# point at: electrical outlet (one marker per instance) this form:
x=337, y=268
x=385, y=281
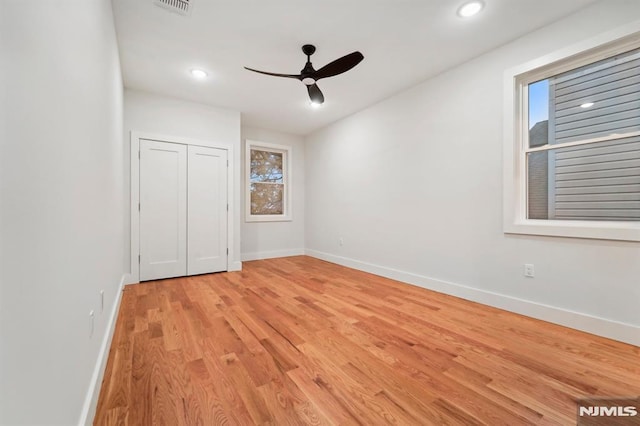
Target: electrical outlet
x=528, y=270
x=101, y=301
x=91, y=317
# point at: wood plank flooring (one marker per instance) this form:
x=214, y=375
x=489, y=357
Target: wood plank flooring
x=299, y=341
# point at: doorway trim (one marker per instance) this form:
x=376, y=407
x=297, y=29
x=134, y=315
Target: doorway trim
x=135, y=138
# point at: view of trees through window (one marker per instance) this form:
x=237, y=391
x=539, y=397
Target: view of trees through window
x=266, y=176
x=583, y=153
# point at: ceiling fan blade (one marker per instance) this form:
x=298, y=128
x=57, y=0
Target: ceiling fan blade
x=296, y=76
x=338, y=66
x=315, y=94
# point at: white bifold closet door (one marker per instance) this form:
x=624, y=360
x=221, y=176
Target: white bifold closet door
x=183, y=210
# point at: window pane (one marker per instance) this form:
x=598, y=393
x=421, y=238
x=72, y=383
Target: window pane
x=538, y=185
x=538, y=113
x=598, y=181
x=266, y=166
x=598, y=100
x=267, y=199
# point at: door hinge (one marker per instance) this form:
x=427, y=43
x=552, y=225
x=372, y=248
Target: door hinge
x=138, y=259
x=138, y=154
x=227, y=163
x=227, y=207
x=227, y=251
x=138, y=206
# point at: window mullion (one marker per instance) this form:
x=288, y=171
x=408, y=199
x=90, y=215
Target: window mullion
x=268, y=183
x=583, y=142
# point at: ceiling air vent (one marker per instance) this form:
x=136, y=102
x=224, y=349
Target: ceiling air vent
x=183, y=7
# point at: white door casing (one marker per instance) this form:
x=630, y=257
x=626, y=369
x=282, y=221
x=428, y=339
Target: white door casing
x=163, y=210
x=207, y=210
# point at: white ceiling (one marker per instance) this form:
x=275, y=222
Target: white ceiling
x=403, y=42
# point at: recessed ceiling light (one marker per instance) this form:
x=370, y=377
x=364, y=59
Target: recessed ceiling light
x=470, y=8
x=315, y=105
x=199, y=74
x=587, y=105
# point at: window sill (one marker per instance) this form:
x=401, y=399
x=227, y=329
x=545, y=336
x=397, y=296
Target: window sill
x=622, y=231
x=266, y=218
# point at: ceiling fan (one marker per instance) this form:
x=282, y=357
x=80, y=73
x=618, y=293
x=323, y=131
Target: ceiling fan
x=309, y=76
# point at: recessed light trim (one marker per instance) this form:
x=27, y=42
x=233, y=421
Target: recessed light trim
x=587, y=105
x=470, y=8
x=199, y=74
x=315, y=105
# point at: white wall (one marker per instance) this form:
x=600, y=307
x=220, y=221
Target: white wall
x=61, y=196
x=261, y=240
x=3, y=139
x=414, y=186
x=161, y=115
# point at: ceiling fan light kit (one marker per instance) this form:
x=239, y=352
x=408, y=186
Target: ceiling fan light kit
x=309, y=76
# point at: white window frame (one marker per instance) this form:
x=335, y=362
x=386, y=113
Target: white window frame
x=515, y=138
x=287, y=155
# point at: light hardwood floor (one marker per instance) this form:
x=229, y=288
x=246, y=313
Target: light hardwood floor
x=296, y=341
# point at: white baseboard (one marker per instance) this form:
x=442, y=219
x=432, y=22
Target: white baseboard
x=129, y=279
x=615, y=330
x=235, y=266
x=271, y=254
x=91, y=400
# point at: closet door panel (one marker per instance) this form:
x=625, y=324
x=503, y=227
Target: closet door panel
x=207, y=210
x=163, y=210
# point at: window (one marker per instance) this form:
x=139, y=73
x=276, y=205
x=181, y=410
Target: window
x=268, y=180
x=572, y=147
